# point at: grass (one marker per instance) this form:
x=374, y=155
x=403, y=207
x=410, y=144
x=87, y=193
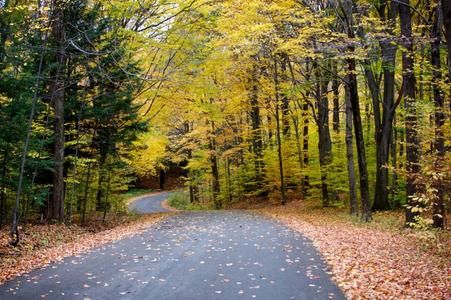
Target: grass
x=180, y=200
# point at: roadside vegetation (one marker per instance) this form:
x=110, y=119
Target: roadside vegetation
x=180, y=200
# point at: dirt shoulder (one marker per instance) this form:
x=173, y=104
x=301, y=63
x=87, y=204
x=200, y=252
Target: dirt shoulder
x=165, y=205
x=373, y=261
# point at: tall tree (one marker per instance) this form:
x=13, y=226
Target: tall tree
x=350, y=155
x=57, y=85
x=256, y=127
x=384, y=124
x=411, y=120
x=324, y=141
x=438, y=205
x=278, y=134
x=446, y=8
x=351, y=81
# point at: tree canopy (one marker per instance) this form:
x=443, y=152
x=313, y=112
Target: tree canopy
x=342, y=101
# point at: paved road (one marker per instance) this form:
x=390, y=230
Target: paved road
x=207, y=255
x=150, y=203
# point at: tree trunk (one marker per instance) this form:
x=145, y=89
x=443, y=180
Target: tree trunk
x=270, y=125
x=350, y=156
x=438, y=206
x=279, y=139
x=214, y=169
x=298, y=144
x=162, y=179
x=192, y=191
x=3, y=187
x=14, y=233
x=229, y=186
x=393, y=146
x=56, y=207
x=107, y=195
x=285, y=103
x=325, y=142
x=385, y=127
x=257, y=135
x=409, y=85
x=360, y=142
x=305, y=137
x=85, y=197
x=100, y=181
x=4, y=33
x=336, y=102
x=75, y=185
x=446, y=9
x=351, y=80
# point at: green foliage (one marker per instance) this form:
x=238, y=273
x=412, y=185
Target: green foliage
x=180, y=200
x=131, y=193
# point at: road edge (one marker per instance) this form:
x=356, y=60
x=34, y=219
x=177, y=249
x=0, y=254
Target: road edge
x=165, y=205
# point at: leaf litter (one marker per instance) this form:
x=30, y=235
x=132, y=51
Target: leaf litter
x=370, y=261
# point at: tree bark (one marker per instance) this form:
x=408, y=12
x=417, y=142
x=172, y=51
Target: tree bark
x=214, y=169
x=229, y=184
x=336, y=102
x=305, y=146
x=100, y=181
x=351, y=81
x=384, y=127
x=85, y=197
x=446, y=9
x=350, y=156
x=324, y=142
x=305, y=181
x=4, y=33
x=3, y=186
x=279, y=139
x=297, y=135
x=360, y=142
x=107, y=195
x=383, y=121
x=409, y=85
x=257, y=135
x=56, y=205
x=14, y=233
x=393, y=146
x=192, y=188
x=438, y=206
x=285, y=103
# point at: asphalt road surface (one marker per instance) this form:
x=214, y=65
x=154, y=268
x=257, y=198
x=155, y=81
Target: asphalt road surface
x=150, y=203
x=205, y=255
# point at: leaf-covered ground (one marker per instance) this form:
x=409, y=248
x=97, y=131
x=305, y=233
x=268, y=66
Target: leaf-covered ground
x=376, y=261
x=43, y=244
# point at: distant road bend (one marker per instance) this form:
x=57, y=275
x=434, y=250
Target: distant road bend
x=151, y=203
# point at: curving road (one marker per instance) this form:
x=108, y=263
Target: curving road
x=149, y=203
x=202, y=255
